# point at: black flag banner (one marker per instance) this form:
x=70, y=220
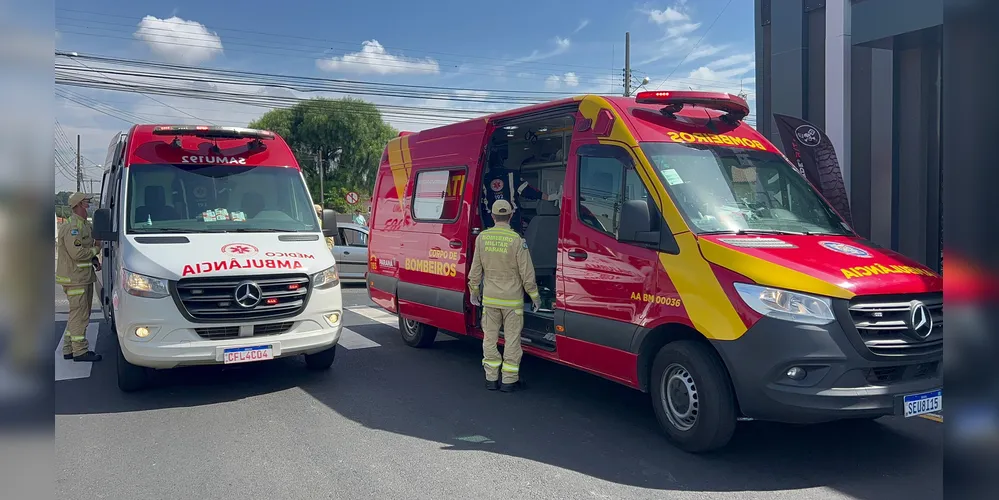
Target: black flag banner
x=812, y=154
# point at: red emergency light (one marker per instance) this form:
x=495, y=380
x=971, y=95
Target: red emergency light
x=734, y=107
x=213, y=132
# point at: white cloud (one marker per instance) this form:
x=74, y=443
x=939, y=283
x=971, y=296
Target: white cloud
x=673, y=14
x=682, y=29
x=373, y=58
x=562, y=43
x=733, y=60
x=729, y=78
x=555, y=82
x=582, y=24
x=178, y=40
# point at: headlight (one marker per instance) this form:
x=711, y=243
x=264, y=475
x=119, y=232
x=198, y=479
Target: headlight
x=144, y=286
x=789, y=306
x=326, y=278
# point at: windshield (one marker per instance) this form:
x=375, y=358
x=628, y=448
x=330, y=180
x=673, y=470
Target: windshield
x=217, y=198
x=724, y=189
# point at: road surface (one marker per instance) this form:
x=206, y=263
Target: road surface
x=393, y=422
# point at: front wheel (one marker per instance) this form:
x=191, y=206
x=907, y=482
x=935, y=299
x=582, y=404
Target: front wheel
x=693, y=397
x=321, y=360
x=416, y=334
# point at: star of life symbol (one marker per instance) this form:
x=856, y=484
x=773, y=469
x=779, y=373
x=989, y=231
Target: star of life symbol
x=239, y=250
x=496, y=185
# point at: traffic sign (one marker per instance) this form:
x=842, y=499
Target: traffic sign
x=352, y=197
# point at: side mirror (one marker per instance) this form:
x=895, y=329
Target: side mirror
x=636, y=224
x=329, y=224
x=102, y=225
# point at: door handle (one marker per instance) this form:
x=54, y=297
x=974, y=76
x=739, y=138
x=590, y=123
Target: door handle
x=577, y=255
x=455, y=243
x=346, y=252
x=476, y=231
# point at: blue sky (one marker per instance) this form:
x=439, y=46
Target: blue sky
x=568, y=47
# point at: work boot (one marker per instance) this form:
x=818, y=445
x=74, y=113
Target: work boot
x=67, y=356
x=88, y=356
x=516, y=386
x=492, y=385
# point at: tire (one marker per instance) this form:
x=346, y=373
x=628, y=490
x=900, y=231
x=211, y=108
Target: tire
x=131, y=378
x=705, y=397
x=321, y=360
x=416, y=334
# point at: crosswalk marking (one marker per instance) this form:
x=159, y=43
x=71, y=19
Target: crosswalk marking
x=67, y=369
x=388, y=319
x=349, y=339
x=378, y=315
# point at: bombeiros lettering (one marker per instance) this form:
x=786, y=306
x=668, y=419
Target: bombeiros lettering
x=231, y=264
x=225, y=160
x=722, y=139
x=439, y=268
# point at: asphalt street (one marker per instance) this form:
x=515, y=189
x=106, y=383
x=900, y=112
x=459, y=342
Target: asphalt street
x=394, y=422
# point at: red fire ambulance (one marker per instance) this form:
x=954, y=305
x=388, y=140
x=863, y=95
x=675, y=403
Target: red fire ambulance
x=685, y=257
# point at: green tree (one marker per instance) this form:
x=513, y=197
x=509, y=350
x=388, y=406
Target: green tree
x=345, y=136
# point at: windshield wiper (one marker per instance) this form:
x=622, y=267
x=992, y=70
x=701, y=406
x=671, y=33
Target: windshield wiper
x=261, y=230
x=742, y=232
x=172, y=230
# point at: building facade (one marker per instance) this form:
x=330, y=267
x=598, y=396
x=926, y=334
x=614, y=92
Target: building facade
x=868, y=72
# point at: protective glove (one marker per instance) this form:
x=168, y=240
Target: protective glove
x=474, y=299
x=535, y=306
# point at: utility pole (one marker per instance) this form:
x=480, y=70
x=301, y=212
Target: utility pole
x=627, y=64
x=79, y=166
x=322, y=189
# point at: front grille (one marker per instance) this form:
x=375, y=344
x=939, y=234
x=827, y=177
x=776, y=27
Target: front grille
x=895, y=374
x=213, y=300
x=883, y=325
x=231, y=332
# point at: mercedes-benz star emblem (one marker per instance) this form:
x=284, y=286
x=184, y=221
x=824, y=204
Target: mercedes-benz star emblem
x=248, y=294
x=920, y=321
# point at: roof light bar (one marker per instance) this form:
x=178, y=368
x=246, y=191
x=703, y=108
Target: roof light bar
x=213, y=132
x=735, y=106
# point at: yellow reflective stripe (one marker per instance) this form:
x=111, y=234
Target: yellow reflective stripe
x=77, y=338
x=493, y=364
x=95, y=251
x=82, y=264
x=535, y=295
x=507, y=367
x=74, y=292
x=489, y=301
x=62, y=279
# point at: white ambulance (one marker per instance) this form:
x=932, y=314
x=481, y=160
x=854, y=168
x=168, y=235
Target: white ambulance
x=212, y=252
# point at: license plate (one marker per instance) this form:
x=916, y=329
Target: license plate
x=247, y=354
x=920, y=404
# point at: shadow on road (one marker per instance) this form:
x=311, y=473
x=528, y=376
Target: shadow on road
x=565, y=419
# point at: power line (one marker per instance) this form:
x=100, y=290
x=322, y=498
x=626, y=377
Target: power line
x=318, y=40
x=699, y=40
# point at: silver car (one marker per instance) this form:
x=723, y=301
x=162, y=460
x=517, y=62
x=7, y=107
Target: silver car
x=351, y=251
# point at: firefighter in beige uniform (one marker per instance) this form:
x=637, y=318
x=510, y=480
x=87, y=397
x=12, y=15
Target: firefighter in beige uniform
x=319, y=213
x=502, y=256
x=77, y=259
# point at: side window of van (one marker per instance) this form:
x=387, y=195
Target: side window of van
x=605, y=183
x=437, y=194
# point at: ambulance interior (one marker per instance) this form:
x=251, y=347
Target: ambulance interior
x=537, y=150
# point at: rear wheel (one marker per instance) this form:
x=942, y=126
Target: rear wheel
x=416, y=334
x=321, y=360
x=693, y=397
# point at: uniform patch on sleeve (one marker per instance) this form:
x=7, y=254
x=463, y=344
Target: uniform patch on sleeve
x=77, y=243
x=74, y=232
